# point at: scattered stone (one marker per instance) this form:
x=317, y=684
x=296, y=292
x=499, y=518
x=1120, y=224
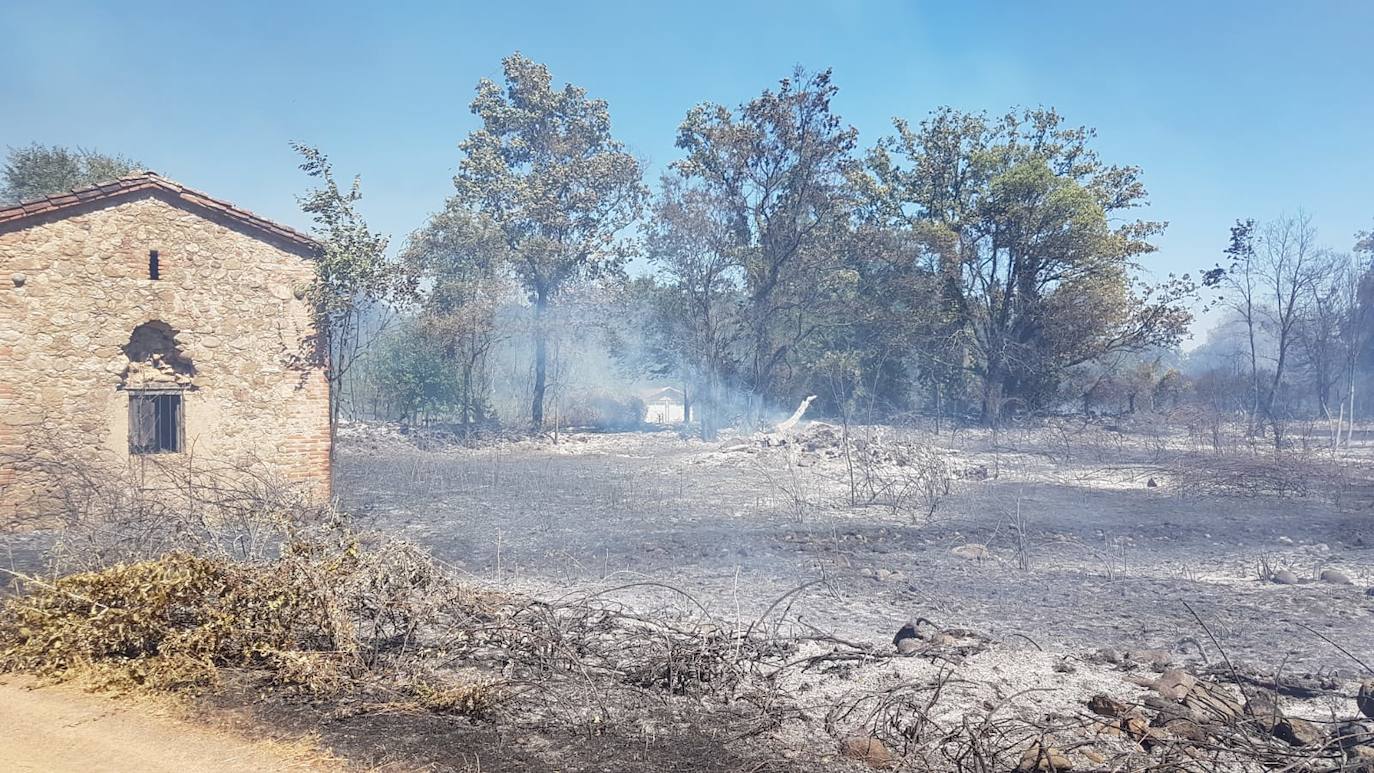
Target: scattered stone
x=18, y=278
x=1264, y=711
x=1038, y=757
x=1335, y=577
x=1105, y=655
x=907, y=631
x=1138, y=729
x=1174, y=684
x=1135, y=725
x=1107, y=706
x=909, y=646
x=1285, y=577
x=1148, y=657
x=1165, y=708
x=867, y=749
x=1364, y=699
x=1181, y=727
x=1285, y=540
x=1355, y=734
x=942, y=639
x=972, y=552
x=1103, y=728
x=1357, y=741
x=1093, y=755
x=1369, y=591
x=1212, y=701
x=1298, y=732
x=1151, y=483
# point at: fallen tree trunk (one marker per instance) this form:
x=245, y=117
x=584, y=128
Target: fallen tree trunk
x=792, y=420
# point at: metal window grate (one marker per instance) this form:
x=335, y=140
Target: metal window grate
x=155, y=422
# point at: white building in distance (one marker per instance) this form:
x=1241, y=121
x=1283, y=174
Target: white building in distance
x=666, y=405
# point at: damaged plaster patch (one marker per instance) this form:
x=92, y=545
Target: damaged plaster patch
x=155, y=358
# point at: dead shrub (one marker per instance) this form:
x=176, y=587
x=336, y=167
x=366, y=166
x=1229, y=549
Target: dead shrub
x=908, y=477
x=106, y=513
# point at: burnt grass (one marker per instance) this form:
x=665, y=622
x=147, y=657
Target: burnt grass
x=248, y=702
x=1091, y=565
x=1082, y=554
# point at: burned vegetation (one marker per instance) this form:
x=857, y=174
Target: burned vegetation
x=248, y=596
x=890, y=459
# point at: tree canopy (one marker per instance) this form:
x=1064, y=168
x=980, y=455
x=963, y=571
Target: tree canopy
x=36, y=171
x=545, y=171
x=1023, y=210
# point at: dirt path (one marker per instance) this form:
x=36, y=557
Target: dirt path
x=61, y=729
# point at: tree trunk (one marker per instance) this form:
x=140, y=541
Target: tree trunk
x=541, y=361
x=938, y=407
x=708, y=409
x=993, y=387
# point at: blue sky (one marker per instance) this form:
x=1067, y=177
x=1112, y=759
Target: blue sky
x=1233, y=109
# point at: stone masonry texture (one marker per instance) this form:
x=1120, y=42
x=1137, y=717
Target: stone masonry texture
x=73, y=288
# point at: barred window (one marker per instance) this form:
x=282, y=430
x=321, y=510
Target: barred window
x=155, y=422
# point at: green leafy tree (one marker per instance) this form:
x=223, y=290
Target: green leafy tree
x=356, y=287
x=695, y=322
x=411, y=369
x=1037, y=269
x=775, y=171
x=36, y=171
x=462, y=265
x=545, y=170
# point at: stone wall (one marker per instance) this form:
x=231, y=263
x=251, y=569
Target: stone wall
x=74, y=287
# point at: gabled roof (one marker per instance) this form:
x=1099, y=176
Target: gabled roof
x=62, y=204
x=663, y=393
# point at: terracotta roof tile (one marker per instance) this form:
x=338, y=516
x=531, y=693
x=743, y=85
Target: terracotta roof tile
x=152, y=181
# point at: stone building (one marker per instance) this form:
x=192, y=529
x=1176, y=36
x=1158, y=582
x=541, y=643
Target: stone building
x=144, y=323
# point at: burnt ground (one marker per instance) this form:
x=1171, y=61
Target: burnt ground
x=392, y=742
x=1072, y=551
x=1100, y=558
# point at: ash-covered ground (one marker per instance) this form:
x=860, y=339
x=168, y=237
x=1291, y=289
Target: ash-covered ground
x=1067, y=585
x=1070, y=537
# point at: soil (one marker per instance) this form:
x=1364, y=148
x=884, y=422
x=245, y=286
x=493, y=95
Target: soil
x=61, y=729
x=1081, y=551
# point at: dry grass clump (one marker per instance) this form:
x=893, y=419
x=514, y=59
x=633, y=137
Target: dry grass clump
x=478, y=698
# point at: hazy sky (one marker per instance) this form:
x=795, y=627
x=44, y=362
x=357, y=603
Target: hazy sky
x=1243, y=109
